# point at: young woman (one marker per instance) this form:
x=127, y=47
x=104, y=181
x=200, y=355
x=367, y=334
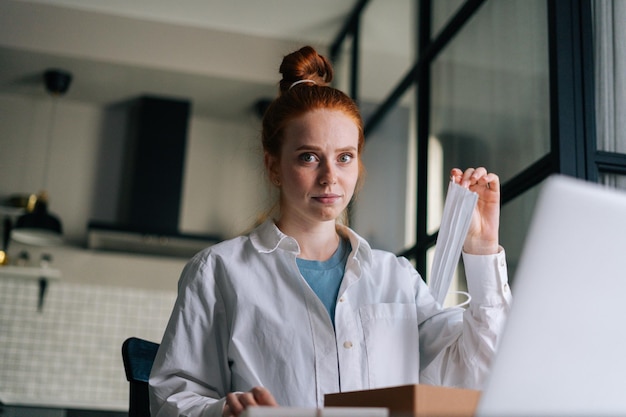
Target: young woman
x=302, y=306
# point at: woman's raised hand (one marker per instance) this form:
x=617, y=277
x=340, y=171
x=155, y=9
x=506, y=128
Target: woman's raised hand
x=482, y=236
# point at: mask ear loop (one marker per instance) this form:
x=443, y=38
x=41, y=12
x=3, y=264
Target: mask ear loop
x=464, y=303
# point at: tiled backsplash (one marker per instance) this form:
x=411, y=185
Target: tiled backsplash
x=69, y=354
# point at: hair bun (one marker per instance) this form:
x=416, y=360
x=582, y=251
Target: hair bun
x=305, y=64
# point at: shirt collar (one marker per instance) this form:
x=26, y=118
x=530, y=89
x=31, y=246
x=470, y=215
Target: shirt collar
x=361, y=250
x=267, y=237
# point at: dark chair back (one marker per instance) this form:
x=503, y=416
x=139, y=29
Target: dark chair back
x=138, y=356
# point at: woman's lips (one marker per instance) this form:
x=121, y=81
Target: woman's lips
x=327, y=198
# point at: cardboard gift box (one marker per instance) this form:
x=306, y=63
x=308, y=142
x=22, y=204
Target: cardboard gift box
x=417, y=400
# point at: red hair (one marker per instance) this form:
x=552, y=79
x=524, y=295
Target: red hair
x=295, y=100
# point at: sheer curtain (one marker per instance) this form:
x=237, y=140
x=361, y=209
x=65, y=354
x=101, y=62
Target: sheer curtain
x=610, y=79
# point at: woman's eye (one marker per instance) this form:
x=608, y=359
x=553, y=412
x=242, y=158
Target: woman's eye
x=346, y=157
x=307, y=157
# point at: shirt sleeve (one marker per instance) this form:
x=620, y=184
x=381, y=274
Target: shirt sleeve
x=463, y=342
x=189, y=376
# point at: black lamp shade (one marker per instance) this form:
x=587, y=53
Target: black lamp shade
x=38, y=227
x=57, y=81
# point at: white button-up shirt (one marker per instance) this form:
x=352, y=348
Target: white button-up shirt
x=245, y=316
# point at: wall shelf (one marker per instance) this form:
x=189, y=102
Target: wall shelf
x=28, y=272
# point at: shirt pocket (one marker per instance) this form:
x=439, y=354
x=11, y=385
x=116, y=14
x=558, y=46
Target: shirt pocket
x=391, y=343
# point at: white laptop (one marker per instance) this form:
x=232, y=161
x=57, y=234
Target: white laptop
x=563, y=352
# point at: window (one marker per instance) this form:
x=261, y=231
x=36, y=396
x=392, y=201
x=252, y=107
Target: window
x=504, y=84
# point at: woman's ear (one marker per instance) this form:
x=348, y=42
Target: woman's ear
x=272, y=167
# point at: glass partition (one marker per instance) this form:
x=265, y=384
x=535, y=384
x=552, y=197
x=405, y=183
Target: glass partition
x=384, y=210
x=442, y=11
x=343, y=66
x=490, y=106
x=610, y=75
x=490, y=92
x=515, y=218
x=387, y=51
x=614, y=180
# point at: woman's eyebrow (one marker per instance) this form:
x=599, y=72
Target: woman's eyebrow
x=307, y=147
x=317, y=148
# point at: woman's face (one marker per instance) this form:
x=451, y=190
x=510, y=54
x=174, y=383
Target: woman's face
x=318, y=167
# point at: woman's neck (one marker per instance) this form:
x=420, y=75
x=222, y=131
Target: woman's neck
x=317, y=243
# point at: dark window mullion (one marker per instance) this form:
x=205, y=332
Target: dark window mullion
x=347, y=29
x=423, y=132
x=570, y=124
x=356, y=46
x=610, y=162
x=588, y=87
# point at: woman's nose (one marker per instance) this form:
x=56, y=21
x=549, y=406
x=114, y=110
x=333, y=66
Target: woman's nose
x=327, y=174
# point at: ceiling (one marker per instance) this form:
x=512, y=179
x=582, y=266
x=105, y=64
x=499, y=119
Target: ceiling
x=105, y=82
x=317, y=20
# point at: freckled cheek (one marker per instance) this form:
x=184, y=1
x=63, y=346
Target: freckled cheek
x=350, y=191
x=299, y=180
x=351, y=179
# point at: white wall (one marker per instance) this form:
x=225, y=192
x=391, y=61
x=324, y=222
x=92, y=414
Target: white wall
x=102, y=297
x=223, y=188
x=224, y=185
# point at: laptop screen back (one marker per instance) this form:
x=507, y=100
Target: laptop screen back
x=563, y=351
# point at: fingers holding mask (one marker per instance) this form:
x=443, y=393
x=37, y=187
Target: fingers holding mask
x=476, y=179
x=482, y=236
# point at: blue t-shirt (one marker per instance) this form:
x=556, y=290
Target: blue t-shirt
x=325, y=277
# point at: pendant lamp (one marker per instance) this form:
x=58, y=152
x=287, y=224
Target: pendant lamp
x=38, y=226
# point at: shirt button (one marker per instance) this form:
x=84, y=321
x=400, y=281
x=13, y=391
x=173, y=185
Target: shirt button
x=341, y=300
x=502, y=263
x=347, y=344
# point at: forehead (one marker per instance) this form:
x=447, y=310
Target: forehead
x=322, y=126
